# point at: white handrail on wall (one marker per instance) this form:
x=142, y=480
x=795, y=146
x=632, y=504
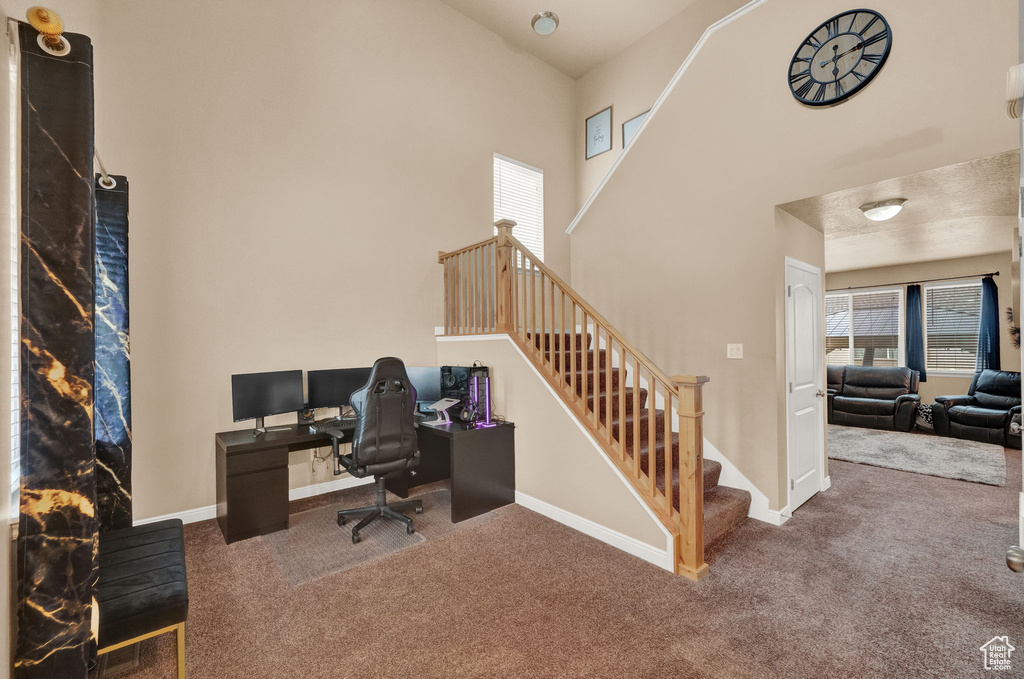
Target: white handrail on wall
x=724, y=21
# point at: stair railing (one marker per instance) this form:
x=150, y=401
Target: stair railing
x=617, y=393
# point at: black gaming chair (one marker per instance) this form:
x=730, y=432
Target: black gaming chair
x=385, y=440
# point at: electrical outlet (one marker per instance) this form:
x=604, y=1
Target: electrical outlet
x=734, y=351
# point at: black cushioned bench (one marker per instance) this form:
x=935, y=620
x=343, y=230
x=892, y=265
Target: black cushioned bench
x=141, y=590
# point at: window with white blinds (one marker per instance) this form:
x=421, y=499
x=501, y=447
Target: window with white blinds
x=519, y=196
x=952, y=321
x=864, y=328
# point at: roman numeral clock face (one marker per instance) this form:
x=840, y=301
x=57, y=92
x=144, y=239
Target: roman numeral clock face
x=839, y=57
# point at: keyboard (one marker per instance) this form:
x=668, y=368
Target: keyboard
x=332, y=424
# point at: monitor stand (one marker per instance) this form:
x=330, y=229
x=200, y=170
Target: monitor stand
x=260, y=427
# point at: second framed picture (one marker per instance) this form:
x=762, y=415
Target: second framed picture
x=599, y=133
x=630, y=127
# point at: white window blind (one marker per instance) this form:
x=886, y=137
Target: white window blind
x=952, y=320
x=864, y=328
x=519, y=196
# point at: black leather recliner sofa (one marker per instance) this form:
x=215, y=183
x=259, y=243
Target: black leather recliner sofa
x=873, y=397
x=985, y=412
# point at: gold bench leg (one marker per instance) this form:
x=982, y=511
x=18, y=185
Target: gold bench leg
x=181, y=651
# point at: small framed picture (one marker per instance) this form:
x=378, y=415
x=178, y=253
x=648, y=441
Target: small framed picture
x=599, y=133
x=630, y=127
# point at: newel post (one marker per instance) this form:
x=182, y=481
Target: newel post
x=504, y=265
x=690, y=546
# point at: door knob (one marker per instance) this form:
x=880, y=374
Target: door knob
x=819, y=393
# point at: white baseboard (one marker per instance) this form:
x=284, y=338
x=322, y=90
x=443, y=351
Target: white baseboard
x=187, y=516
x=658, y=557
x=210, y=512
x=827, y=483
x=341, y=483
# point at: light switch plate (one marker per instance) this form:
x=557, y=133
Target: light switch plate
x=734, y=351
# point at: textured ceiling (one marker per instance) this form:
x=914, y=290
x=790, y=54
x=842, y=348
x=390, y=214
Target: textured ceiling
x=955, y=211
x=589, y=31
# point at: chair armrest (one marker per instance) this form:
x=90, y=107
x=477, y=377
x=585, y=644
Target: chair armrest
x=953, y=401
x=940, y=411
x=906, y=411
x=1015, y=410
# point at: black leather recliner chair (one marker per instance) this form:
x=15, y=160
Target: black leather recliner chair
x=985, y=412
x=834, y=378
x=873, y=397
x=385, y=440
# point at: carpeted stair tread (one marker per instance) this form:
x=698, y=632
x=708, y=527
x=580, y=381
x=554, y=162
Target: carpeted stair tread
x=724, y=508
x=601, y=379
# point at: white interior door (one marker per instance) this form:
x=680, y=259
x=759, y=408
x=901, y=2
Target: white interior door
x=805, y=389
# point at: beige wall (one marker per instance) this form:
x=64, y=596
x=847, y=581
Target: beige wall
x=555, y=462
x=275, y=169
x=938, y=385
x=632, y=80
x=679, y=248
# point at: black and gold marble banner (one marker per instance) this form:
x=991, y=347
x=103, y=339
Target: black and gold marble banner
x=57, y=529
x=113, y=359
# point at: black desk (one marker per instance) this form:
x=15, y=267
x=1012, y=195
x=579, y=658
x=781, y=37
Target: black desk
x=252, y=472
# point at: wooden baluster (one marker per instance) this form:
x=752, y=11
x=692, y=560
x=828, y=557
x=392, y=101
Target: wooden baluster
x=666, y=432
x=456, y=297
x=608, y=391
x=467, y=286
x=622, y=403
x=585, y=385
x=447, y=307
x=532, y=305
x=690, y=546
x=575, y=347
x=492, y=279
x=505, y=261
x=652, y=449
x=542, y=335
x=636, y=412
x=474, y=258
x=514, y=274
x=552, y=347
x=595, y=376
x=563, y=350
x=488, y=289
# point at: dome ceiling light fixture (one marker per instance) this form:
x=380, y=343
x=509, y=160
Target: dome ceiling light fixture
x=883, y=209
x=544, y=23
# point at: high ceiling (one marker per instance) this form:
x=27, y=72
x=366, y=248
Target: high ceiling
x=959, y=210
x=589, y=31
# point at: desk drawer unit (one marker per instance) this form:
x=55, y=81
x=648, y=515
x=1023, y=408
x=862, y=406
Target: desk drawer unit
x=252, y=493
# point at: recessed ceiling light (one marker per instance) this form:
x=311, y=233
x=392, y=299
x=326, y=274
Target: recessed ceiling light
x=545, y=23
x=883, y=209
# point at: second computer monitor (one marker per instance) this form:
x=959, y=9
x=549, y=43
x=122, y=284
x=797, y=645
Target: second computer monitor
x=333, y=388
x=427, y=382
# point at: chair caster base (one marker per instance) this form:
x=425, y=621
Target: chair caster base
x=355, y=538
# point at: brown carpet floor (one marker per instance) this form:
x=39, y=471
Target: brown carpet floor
x=888, y=574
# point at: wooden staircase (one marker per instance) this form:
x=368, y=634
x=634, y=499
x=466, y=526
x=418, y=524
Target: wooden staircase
x=724, y=507
x=632, y=409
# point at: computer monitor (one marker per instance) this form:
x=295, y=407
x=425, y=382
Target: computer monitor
x=427, y=382
x=256, y=395
x=333, y=388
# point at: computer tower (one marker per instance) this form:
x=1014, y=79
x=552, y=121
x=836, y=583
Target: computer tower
x=454, y=381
